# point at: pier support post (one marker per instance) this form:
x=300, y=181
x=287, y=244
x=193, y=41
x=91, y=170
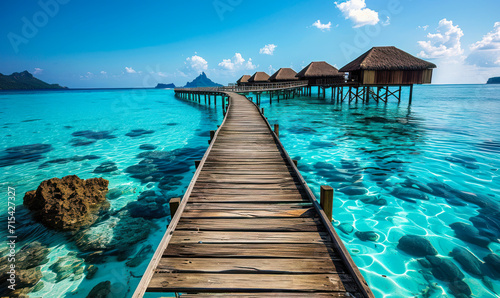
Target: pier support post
x=277, y=130
x=326, y=200
x=411, y=93
x=262, y=111
x=174, y=205
x=212, y=135
x=197, y=163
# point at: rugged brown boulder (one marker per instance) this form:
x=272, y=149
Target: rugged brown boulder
x=68, y=203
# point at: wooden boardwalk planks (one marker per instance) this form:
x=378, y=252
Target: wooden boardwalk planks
x=248, y=225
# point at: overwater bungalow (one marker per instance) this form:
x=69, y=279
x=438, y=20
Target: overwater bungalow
x=284, y=75
x=243, y=81
x=389, y=66
x=321, y=73
x=259, y=77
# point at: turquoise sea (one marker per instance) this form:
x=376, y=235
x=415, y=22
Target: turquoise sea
x=429, y=169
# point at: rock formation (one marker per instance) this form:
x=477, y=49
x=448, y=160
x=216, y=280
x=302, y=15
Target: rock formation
x=68, y=203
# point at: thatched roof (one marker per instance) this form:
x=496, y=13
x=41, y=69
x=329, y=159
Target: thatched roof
x=319, y=69
x=243, y=79
x=387, y=58
x=284, y=74
x=259, y=76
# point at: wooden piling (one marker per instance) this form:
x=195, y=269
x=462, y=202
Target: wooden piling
x=277, y=130
x=411, y=93
x=174, y=205
x=212, y=134
x=326, y=200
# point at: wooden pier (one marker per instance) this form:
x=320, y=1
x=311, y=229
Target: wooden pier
x=248, y=224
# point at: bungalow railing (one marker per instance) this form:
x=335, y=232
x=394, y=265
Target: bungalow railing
x=249, y=88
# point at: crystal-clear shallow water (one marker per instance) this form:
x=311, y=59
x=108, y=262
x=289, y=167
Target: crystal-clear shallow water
x=51, y=118
x=385, y=144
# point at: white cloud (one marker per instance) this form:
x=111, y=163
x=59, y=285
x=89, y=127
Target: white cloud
x=423, y=27
x=38, y=70
x=356, y=11
x=322, y=27
x=237, y=63
x=268, y=49
x=227, y=64
x=445, y=43
x=486, y=52
x=103, y=72
x=197, y=63
x=130, y=70
x=490, y=41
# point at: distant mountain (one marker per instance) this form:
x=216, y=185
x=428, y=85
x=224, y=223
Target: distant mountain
x=495, y=80
x=24, y=81
x=164, y=86
x=202, y=81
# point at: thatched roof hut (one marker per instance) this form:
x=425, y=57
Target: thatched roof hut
x=389, y=65
x=321, y=73
x=284, y=75
x=243, y=80
x=259, y=77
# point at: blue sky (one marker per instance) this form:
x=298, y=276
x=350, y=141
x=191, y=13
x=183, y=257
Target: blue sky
x=138, y=44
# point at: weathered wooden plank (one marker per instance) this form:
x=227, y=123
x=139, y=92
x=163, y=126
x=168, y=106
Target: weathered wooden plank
x=180, y=282
x=220, y=198
x=246, y=169
x=244, y=191
x=290, y=186
x=221, y=176
x=254, y=180
x=247, y=206
x=246, y=265
x=273, y=294
x=196, y=213
x=251, y=224
x=214, y=237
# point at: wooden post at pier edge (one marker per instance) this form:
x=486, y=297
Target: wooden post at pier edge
x=326, y=200
x=277, y=130
x=174, y=204
x=212, y=135
x=411, y=93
